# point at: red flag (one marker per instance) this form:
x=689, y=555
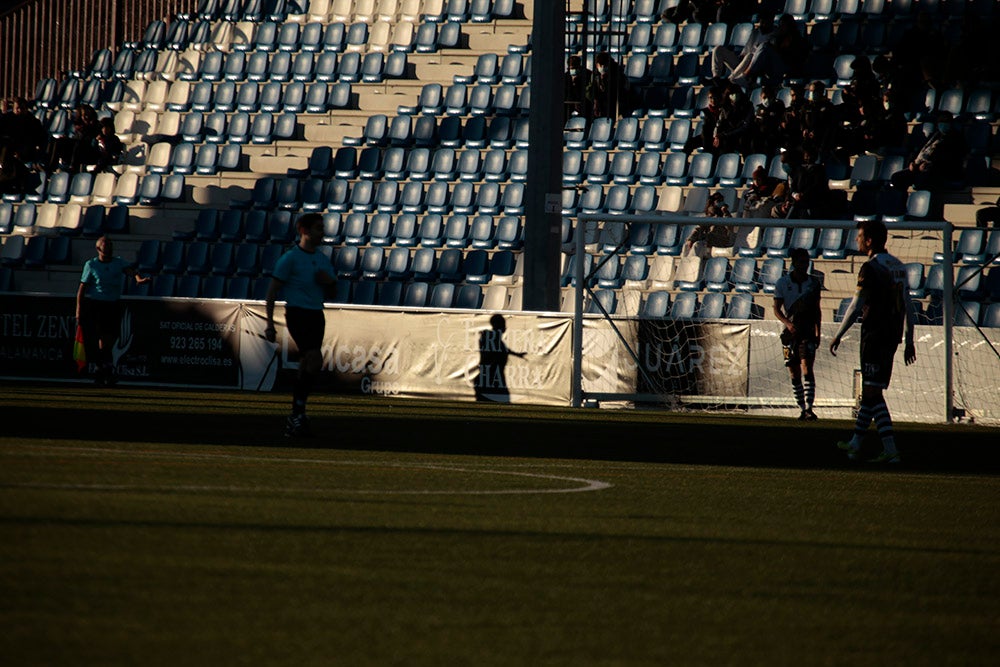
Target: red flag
x=79, y=351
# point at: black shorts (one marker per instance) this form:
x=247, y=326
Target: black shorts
x=306, y=327
x=876, y=362
x=799, y=349
x=100, y=320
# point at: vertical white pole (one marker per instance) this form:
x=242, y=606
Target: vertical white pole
x=949, y=322
x=581, y=250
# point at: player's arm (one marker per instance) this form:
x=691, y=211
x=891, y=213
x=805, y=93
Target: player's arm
x=909, y=351
x=79, y=298
x=270, y=333
x=850, y=317
x=132, y=272
x=779, y=312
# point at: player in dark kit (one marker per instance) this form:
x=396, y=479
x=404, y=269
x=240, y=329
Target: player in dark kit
x=797, y=305
x=883, y=304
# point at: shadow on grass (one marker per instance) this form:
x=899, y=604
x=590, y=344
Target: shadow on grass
x=468, y=430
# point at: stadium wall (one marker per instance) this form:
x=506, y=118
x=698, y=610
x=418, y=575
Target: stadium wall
x=42, y=39
x=471, y=355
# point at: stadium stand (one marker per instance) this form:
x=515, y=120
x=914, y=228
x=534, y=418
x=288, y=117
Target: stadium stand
x=239, y=98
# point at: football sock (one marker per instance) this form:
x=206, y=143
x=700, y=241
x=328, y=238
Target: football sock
x=300, y=393
x=883, y=422
x=861, y=424
x=799, y=392
x=809, y=386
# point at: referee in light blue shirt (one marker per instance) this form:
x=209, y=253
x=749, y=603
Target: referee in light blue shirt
x=302, y=273
x=98, y=309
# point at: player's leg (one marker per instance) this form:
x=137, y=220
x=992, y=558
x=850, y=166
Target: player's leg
x=808, y=354
x=306, y=328
x=108, y=329
x=793, y=364
x=880, y=410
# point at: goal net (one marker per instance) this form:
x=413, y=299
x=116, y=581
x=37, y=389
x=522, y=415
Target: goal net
x=661, y=323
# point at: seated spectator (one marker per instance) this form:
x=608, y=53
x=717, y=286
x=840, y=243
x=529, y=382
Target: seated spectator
x=608, y=89
x=791, y=121
x=733, y=129
x=71, y=153
x=706, y=237
x=575, y=96
x=807, y=190
x=818, y=118
x=921, y=55
x=883, y=127
x=25, y=133
x=740, y=68
x=990, y=214
x=939, y=162
x=765, y=136
x=15, y=176
x=108, y=148
x=791, y=49
x=698, y=11
x=763, y=193
x=704, y=140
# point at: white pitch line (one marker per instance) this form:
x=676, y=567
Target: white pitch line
x=586, y=485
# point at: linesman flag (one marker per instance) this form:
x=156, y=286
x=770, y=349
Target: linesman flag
x=79, y=351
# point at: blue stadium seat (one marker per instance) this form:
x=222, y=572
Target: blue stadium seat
x=655, y=305
x=770, y=271
x=740, y=306
x=716, y=277
x=683, y=306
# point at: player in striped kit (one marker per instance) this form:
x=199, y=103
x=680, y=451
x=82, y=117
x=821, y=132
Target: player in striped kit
x=883, y=304
x=797, y=306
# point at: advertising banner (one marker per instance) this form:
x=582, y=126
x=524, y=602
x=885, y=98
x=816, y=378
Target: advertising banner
x=681, y=358
x=175, y=341
x=520, y=358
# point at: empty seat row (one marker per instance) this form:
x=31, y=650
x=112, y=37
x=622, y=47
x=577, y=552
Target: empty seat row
x=366, y=196
x=674, y=306
x=68, y=220
x=451, y=265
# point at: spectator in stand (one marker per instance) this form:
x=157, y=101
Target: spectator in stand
x=797, y=306
x=107, y=147
x=71, y=153
x=704, y=140
x=6, y=114
x=920, y=55
x=883, y=127
x=766, y=134
x=990, y=214
x=939, y=162
x=710, y=11
x=740, y=68
x=706, y=237
x=577, y=77
x=697, y=11
x=791, y=121
x=762, y=195
x=608, y=88
x=15, y=176
x=807, y=191
x=98, y=305
x=818, y=118
x=25, y=133
x=734, y=128
x=791, y=49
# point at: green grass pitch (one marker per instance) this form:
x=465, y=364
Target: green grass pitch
x=155, y=527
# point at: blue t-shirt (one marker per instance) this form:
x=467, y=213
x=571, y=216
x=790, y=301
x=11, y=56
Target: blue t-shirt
x=104, y=280
x=297, y=270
